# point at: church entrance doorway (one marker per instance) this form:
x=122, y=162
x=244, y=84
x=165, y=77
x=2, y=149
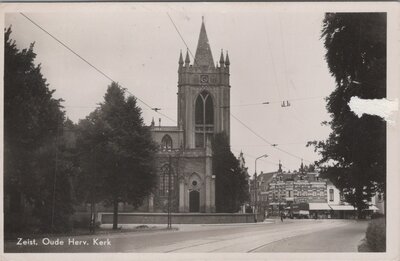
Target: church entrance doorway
x=194, y=201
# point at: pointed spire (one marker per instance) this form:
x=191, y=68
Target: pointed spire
x=280, y=166
x=302, y=166
x=203, y=55
x=180, y=58
x=221, y=59
x=152, y=122
x=227, y=62
x=187, y=59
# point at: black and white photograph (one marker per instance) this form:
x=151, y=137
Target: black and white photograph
x=241, y=129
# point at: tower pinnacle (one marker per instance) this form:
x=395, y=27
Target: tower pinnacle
x=221, y=59
x=227, y=62
x=180, y=58
x=302, y=166
x=187, y=59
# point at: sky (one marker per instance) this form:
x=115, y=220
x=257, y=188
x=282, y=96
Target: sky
x=275, y=56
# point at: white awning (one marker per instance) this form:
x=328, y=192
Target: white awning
x=373, y=208
x=342, y=207
x=304, y=212
x=319, y=206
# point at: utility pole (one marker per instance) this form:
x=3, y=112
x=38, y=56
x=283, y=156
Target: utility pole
x=256, y=185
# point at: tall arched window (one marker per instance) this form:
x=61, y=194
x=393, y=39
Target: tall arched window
x=204, y=118
x=163, y=185
x=166, y=143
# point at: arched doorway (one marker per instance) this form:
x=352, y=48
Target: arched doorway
x=194, y=201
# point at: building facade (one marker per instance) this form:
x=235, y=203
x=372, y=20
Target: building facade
x=304, y=194
x=184, y=160
x=288, y=189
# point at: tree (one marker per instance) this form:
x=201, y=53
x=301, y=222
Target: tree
x=231, y=188
x=33, y=125
x=116, y=152
x=53, y=204
x=354, y=155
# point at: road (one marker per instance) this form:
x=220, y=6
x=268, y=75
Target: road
x=274, y=236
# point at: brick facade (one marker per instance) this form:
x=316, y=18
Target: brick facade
x=278, y=190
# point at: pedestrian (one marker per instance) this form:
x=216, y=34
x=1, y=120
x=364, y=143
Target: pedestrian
x=281, y=216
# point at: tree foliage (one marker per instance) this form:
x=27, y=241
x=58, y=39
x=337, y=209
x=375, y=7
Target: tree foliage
x=354, y=155
x=33, y=127
x=116, y=152
x=231, y=187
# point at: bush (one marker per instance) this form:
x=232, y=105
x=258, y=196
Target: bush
x=82, y=222
x=377, y=215
x=376, y=235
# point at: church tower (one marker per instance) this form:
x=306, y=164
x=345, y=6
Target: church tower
x=184, y=160
x=203, y=94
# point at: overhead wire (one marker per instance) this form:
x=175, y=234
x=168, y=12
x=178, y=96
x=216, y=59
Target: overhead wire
x=269, y=48
x=245, y=125
x=265, y=140
x=261, y=159
x=273, y=102
x=180, y=35
x=91, y=65
x=284, y=55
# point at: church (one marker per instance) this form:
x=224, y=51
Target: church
x=184, y=160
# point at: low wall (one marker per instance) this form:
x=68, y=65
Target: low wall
x=177, y=218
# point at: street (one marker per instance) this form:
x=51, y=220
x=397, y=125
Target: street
x=271, y=236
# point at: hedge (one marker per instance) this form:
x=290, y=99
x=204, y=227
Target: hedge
x=376, y=235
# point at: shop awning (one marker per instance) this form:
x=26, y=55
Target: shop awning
x=342, y=207
x=373, y=208
x=319, y=206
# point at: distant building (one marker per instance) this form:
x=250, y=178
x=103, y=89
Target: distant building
x=303, y=193
x=334, y=196
x=290, y=188
x=263, y=181
x=379, y=201
x=242, y=165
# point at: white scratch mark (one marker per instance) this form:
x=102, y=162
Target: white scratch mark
x=380, y=107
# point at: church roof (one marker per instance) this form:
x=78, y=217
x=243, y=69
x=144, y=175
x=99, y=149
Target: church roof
x=203, y=55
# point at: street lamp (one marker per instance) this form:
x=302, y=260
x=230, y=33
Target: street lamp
x=255, y=184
